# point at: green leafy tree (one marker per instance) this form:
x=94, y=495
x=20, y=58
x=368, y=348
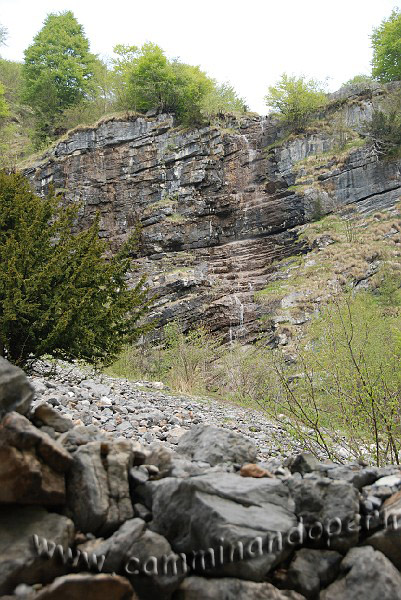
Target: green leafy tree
x=295, y=99
x=122, y=66
x=147, y=80
x=191, y=86
x=223, y=99
x=98, y=103
x=4, y=110
x=11, y=78
x=59, y=294
x=343, y=393
x=151, y=80
x=384, y=131
x=58, y=70
x=360, y=82
x=15, y=128
x=386, y=42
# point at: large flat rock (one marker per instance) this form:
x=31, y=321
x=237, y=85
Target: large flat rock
x=227, y=513
x=215, y=445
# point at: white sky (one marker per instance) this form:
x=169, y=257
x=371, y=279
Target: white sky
x=249, y=42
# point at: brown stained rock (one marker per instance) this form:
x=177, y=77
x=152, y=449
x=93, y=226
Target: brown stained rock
x=18, y=431
x=32, y=465
x=47, y=415
x=83, y=586
x=24, y=479
x=392, y=506
x=16, y=393
x=219, y=183
x=252, y=470
x=388, y=539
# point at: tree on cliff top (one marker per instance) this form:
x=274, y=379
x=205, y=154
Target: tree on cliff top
x=59, y=295
x=295, y=99
x=147, y=80
x=58, y=69
x=386, y=42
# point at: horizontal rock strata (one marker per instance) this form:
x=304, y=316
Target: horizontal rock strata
x=217, y=205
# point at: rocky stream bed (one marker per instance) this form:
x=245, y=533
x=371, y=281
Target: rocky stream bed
x=109, y=490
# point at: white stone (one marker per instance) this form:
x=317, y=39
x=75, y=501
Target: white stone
x=390, y=481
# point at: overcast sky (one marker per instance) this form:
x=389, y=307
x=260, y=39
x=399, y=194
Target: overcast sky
x=249, y=42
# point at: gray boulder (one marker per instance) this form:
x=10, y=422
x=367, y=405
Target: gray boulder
x=329, y=511
x=303, y=463
x=365, y=574
x=145, y=557
x=312, y=570
x=244, y=521
x=45, y=414
x=196, y=588
x=81, y=435
x=174, y=465
x=355, y=474
x=16, y=393
x=20, y=561
x=97, y=486
x=388, y=541
x=214, y=446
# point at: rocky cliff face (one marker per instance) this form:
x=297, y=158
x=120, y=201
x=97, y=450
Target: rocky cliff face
x=218, y=207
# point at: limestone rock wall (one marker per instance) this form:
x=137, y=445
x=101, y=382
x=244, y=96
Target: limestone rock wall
x=217, y=206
